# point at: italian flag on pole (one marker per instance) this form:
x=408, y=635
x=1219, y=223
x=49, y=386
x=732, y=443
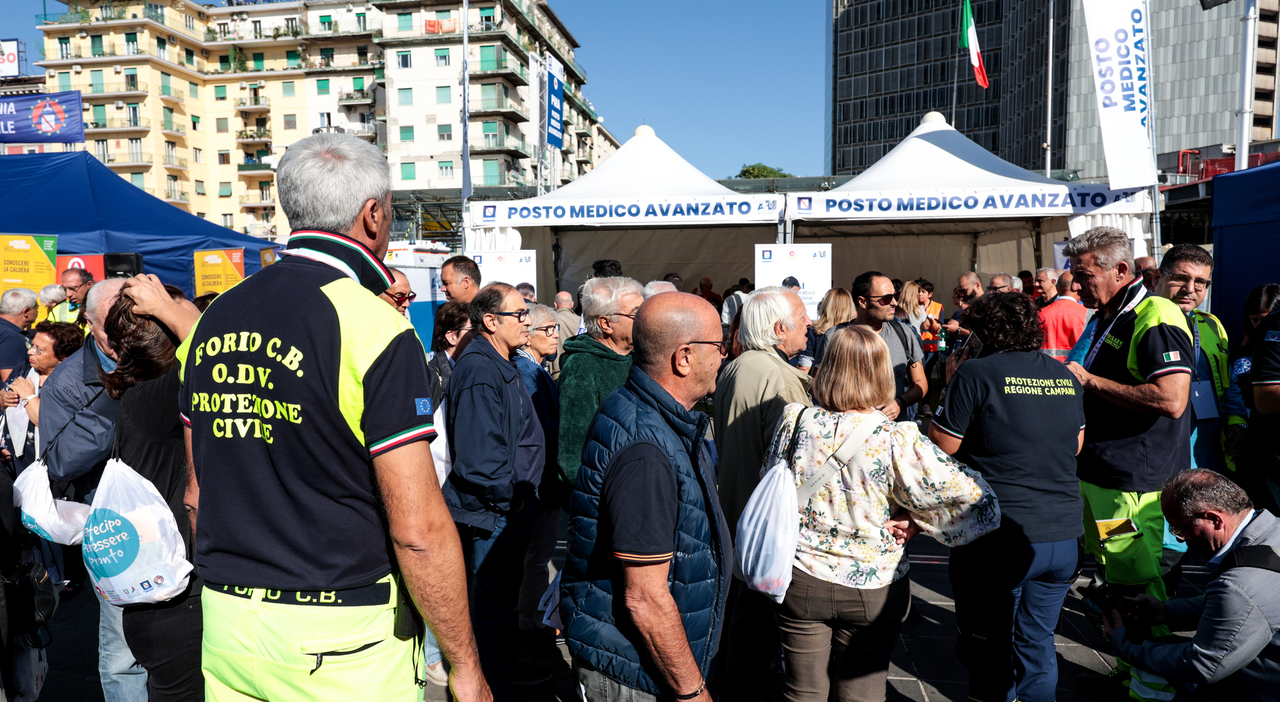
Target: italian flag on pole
x=969, y=40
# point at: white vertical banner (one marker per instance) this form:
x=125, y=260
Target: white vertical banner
x=1120, y=56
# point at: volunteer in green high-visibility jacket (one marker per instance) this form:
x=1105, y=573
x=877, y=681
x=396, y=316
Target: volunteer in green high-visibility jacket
x=1218, y=413
x=1137, y=379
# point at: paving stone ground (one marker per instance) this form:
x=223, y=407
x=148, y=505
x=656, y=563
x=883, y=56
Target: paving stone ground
x=924, y=666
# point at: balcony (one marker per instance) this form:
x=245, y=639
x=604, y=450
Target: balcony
x=125, y=89
x=364, y=131
x=584, y=156
x=173, y=129
x=582, y=129
x=500, y=144
x=449, y=32
x=258, y=199
x=255, y=168
x=117, y=124
x=168, y=92
x=568, y=175
x=248, y=37
x=258, y=103
x=356, y=97
x=380, y=113
x=581, y=104
x=125, y=159
x=337, y=28
x=177, y=197
x=504, y=107
x=328, y=64
x=174, y=161
x=501, y=67
x=261, y=230
x=261, y=135
x=503, y=178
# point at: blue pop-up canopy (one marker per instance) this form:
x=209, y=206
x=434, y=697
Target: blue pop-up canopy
x=1246, y=239
x=92, y=210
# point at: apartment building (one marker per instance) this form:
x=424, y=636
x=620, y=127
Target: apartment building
x=195, y=103
x=508, y=40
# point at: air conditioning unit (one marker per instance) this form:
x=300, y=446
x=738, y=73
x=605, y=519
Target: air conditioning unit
x=302, y=47
x=243, y=84
x=173, y=39
x=204, y=53
x=203, y=16
x=262, y=84
x=119, y=104
x=76, y=68
x=118, y=69
x=82, y=34
x=50, y=74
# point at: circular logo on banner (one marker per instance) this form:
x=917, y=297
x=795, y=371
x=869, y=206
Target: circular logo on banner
x=110, y=543
x=48, y=117
x=77, y=262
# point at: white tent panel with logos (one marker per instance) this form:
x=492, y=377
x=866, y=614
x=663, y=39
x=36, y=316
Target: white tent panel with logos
x=938, y=205
x=646, y=207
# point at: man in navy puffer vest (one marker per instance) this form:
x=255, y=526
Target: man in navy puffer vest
x=649, y=551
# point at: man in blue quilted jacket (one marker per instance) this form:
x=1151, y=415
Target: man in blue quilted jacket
x=649, y=550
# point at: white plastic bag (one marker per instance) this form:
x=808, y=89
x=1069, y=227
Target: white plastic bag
x=132, y=547
x=767, y=533
x=30, y=670
x=59, y=521
x=440, y=446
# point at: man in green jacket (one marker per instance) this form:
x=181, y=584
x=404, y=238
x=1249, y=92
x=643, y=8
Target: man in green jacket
x=750, y=395
x=596, y=363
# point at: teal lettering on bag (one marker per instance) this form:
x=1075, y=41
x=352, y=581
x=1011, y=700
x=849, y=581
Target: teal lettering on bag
x=110, y=543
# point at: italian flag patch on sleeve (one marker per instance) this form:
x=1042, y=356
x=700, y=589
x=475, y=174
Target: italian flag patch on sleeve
x=1172, y=356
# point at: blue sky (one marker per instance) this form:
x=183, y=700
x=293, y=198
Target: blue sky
x=723, y=83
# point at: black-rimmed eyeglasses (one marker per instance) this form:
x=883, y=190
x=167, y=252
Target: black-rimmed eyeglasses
x=722, y=345
x=520, y=315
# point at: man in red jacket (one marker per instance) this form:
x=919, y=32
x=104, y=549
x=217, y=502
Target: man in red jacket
x=1062, y=317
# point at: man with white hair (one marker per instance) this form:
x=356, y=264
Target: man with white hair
x=1137, y=381
x=657, y=287
x=18, y=309
x=596, y=363
x=74, y=408
x=750, y=395
x=322, y=526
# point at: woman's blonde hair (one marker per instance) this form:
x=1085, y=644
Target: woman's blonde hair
x=836, y=308
x=909, y=299
x=855, y=373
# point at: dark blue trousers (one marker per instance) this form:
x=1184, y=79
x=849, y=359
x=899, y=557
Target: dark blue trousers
x=1008, y=595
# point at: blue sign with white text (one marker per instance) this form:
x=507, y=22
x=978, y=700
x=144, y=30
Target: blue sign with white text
x=555, y=110
x=51, y=118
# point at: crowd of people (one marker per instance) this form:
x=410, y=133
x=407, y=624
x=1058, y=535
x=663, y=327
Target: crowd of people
x=369, y=512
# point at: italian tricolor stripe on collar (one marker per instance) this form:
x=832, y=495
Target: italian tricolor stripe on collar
x=351, y=244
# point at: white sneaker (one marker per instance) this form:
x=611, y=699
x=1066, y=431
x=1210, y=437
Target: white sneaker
x=437, y=675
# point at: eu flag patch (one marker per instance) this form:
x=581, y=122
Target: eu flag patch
x=424, y=406
x=1273, y=336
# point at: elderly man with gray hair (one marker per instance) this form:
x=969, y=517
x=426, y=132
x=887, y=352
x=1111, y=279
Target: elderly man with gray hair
x=1235, y=653
x=1137, y=381
x=596, y=363
x=18, y=309
x=322, y=531
x=750, y=395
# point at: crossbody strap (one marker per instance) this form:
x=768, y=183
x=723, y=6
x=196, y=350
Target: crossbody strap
x=841, y=457
x=1259, y=556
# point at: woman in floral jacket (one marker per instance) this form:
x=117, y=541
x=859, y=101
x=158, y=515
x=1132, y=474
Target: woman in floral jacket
x=849, y=593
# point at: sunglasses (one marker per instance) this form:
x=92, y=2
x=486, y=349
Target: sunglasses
x=884, y=300
x=402, y=298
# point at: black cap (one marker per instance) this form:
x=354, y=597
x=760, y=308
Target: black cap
x=790, y=282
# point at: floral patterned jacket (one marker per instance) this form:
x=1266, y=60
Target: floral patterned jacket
x=842, y=534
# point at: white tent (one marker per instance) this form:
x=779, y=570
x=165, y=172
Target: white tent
x=644, y=206
x=938, y=205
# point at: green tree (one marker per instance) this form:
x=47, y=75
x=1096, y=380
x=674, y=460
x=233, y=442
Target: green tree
x=759, y=170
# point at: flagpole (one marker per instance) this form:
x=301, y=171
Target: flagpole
x=955, y=72
x=466, y=119
x=1048, y=101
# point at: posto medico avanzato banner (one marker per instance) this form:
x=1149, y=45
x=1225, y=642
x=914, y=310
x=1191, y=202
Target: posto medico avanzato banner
x=217, y=270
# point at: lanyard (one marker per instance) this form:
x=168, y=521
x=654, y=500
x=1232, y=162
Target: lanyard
x=1195, y=357
x=1142, y=292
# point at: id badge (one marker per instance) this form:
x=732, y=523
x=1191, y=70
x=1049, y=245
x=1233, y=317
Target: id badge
x=1203, y=401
